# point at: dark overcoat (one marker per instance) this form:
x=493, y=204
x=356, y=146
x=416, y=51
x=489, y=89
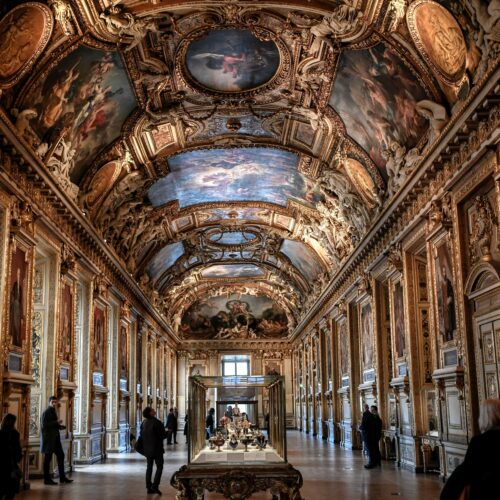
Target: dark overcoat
x=51, y=438
x=153, y=433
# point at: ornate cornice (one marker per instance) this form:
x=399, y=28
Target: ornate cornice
x=468, y=133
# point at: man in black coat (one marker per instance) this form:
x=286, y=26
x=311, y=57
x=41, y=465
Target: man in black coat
x=51, y=442
x=153, y=434
x=171, y=426
x=373, y=433
x=366, y=421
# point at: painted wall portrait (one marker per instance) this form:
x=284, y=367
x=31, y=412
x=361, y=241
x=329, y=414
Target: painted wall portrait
x=24, y=33
x=66, y=321
x=99, y=333
x=123, y=352
x=85, y=98
x=18, y=300
x=399, y=320
x=234, y=174
x=344, y=348
x=231, y=60
x=374, y=86
x=138, y=358
x=233, y=271
x=367, y=336
x=446, y=297
x=328, y=347
x=302, y=257
x=272, y=367
x=238, y=316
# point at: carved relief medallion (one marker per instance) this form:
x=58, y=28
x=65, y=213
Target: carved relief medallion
x=24, y=33
x=438, y=37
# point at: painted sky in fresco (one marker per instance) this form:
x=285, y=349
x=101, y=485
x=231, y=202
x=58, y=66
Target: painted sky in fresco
x=302, y=257
x=88, y=94
x=237, y=174
x=375, y=95
x=165, y=259
x=232, y=271
x=232, y=60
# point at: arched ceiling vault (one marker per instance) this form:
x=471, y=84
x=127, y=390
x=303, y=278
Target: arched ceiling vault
x=233, y=155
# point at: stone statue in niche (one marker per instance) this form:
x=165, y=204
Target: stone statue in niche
x=343, y=19
x=484, y=220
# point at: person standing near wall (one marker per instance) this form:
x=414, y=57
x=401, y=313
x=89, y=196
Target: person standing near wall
x=171, y=426
x=51, y=443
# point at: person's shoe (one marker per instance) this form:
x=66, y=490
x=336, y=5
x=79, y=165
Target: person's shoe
x=370, y=466
x=66, y=480
x=49, y=481
x=151, y=491
x=157, y=491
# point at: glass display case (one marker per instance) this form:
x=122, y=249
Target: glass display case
x=238, y=458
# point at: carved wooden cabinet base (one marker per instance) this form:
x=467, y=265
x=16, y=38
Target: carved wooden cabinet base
x=283, y=481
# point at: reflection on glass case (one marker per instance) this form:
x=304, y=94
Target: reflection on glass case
x=236, y=458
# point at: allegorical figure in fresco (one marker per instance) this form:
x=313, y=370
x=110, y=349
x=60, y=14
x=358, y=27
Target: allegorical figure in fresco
x=16, y=311
x=448, y=304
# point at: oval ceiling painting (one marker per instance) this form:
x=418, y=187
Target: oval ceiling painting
x=24, y=33
x=232, y=60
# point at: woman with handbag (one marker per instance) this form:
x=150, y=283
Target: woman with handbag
x=476, y=478
x=10, y=456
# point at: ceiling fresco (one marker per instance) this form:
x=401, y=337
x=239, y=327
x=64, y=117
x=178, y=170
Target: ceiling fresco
x=376, y=94
x=232, y=60
x=83, y=101
x=234, y=155
x=235, y=316
x=237, y=174
x=302, y=257
x=233, y=271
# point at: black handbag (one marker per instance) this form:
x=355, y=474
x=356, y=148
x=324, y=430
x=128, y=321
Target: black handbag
x=139, y=446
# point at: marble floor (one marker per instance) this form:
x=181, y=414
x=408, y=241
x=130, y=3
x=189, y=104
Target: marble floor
x=328, y=472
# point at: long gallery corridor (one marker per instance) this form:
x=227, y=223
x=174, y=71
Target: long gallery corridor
x=328, y=470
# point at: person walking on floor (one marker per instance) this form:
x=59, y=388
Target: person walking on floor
x=10, y=456
x=476, y=478
x=171, y=426
x=152, y=434
x=373, y=433
x=51, y=443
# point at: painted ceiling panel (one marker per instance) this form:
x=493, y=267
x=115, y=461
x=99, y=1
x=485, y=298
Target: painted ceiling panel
x=375, y=95
x=165, y=259
x=302, y=257
x=87, y=95
x=237, y=316
x=233, y=271
x=232, y=60
x=237, y=174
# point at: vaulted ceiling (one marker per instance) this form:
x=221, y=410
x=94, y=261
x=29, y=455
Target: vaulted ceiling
x=234, y=155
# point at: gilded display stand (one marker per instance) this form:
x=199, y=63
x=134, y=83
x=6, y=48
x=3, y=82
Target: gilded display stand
x=236, y=479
